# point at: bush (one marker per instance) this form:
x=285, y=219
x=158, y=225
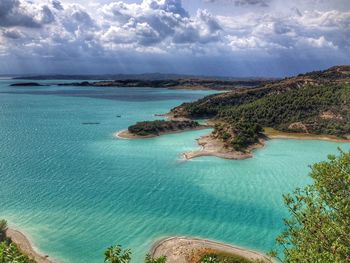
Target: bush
x=319, y=224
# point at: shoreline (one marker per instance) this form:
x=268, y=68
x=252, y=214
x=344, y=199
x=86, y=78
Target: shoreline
x=210, y=146
x=275, y=134
x=26, y=246
x=180, y=249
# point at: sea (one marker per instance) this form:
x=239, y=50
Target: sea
x=75, y=189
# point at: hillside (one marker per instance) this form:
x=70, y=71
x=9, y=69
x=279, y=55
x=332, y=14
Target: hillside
x=313, y=103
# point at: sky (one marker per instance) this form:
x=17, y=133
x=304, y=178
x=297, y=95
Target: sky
x=241, y=38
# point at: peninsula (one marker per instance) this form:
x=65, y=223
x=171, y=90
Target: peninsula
x=314, y=105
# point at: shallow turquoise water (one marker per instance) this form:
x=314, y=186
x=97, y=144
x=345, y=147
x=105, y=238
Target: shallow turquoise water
x=76, y=190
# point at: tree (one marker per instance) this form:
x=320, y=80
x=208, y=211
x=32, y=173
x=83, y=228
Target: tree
x=150, y=259
x=3, y=228
x=115, y=254
x=319, y=226
x=11, y=253
x=209, y=259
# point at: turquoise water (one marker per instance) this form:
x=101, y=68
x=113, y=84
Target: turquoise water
x=75, y=189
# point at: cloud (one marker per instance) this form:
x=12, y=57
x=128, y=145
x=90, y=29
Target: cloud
x=12, y=33
x=262, y=3
x=161, y=35
x=157, y=22
x=57, y=5
x=22, y=13
x=297, y=33
x=170, y=6
x=320, y=42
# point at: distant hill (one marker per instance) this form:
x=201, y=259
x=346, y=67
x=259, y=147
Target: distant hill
x=154, y=80
x=145, y=76
x=188, y=83
x=315, y=103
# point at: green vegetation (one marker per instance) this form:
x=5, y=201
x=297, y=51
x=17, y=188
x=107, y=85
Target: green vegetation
x=239, y=135
x=156, y=127
x=116, y=254
x=304, y=105
x=220, y=257
x=319, y=226
x=149, y=259
x=3, y=228
x=9, y=252
x=315, y=103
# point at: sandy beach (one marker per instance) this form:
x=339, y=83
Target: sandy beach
x=275, y=134
x=125, y=134
x=26, y=246
x=308, y=137
x=182, y=249
x=215, y=147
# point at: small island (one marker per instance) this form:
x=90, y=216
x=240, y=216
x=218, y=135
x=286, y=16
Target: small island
x=26, y=84
x=149, y=129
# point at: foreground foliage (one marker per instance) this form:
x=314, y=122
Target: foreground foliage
x=9, y=252
x=150, y=259
x=116, y=254
x=3, y=228
x=224, y=258
x=319, y=226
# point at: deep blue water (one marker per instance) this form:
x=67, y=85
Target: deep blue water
x=75, y=189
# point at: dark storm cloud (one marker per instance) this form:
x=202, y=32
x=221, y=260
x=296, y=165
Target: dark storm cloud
x=262, y=3
x=25, y=14
x=57, y=5
x=12, y=15
x=13, y=34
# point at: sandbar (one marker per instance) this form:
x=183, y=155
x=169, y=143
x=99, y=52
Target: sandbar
x=181, y=249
